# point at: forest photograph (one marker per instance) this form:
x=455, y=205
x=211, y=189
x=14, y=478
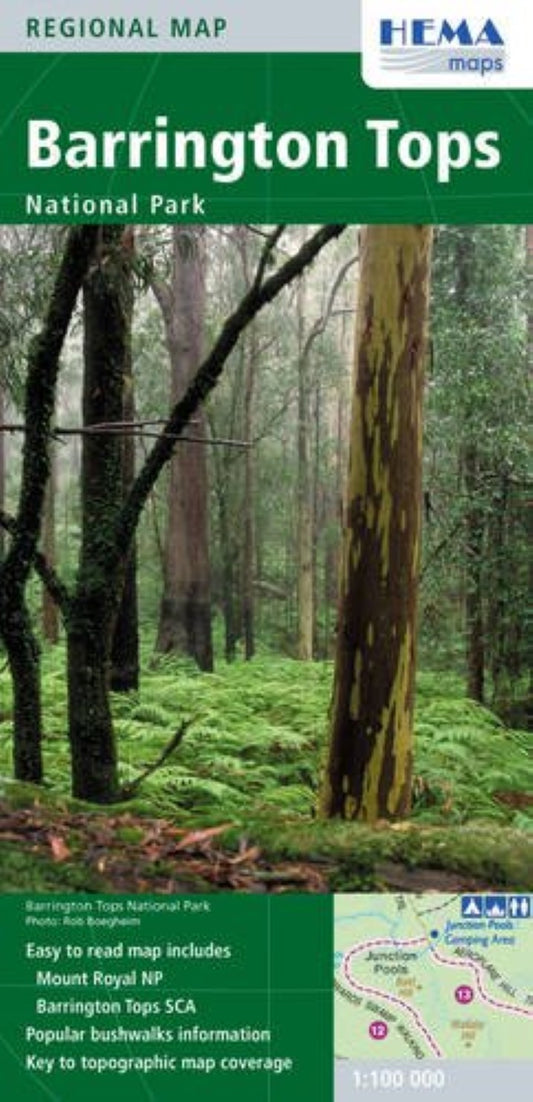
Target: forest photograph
x=265, y=575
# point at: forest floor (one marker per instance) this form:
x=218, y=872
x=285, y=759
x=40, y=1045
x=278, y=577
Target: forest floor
x=233, y=807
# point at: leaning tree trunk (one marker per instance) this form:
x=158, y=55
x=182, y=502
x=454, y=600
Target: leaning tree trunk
x=370, y=756
x=185, y=615
x=94, y=605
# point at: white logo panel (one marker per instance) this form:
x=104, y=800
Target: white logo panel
x=452, y=44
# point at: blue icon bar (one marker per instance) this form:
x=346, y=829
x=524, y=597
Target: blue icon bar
x=496, y=906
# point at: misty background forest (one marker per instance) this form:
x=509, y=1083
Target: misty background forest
x=258, y=631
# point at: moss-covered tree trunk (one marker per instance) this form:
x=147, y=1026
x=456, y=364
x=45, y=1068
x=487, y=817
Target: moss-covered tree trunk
x=2, y=466
x=91, y=735
x=370, y=757
x=94, y=605
x=125, y=646
x=39, y=401
x=50, y=611
x=23, y=658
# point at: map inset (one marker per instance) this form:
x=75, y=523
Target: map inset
x=433, y=976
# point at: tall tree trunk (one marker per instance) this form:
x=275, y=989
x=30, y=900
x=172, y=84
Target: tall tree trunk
x=2, y=467
x=475, y=626
x=228, y=553
x=500, y=600
x=474, y=515
x=125, y=646
x=370, y=758
x=529, y=352
x=305, y=594
x=291, y=608
x=529, y=270
x=317, y=511
x=248, y=602
x=91, y=735
x=50, y=612
x=94, y=606
x=185, y=615
x=334, y=516
x=249, y=527
x=23, y=657
x=249, y=546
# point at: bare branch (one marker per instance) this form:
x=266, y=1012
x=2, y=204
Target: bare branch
x=129, y=790
x=133, y=428
x=444, y=543
x=266, y=254
x=321, y=322
x=162, y=293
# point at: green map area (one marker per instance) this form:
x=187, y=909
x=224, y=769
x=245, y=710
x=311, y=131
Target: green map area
x=416, y=977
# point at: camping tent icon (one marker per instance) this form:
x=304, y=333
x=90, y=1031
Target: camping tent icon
x=471, y=906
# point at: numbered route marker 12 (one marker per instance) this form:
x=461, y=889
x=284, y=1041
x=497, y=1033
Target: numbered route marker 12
x=378, y=1030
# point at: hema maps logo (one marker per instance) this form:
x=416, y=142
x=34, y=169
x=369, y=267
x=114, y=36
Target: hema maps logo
x=452, y=44
x=441, y=46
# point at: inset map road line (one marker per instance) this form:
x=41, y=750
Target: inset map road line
x=463, y=962
x=376, y=992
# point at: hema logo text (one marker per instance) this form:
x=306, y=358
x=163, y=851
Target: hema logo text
x=442, y=45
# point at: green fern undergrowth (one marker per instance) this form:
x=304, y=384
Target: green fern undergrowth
x=256, y=738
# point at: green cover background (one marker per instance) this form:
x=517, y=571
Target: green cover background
x=213, y=92
x=233, y=91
